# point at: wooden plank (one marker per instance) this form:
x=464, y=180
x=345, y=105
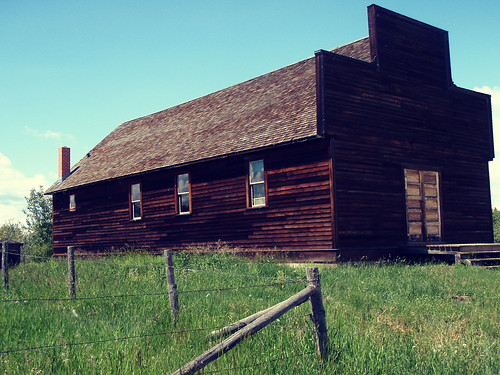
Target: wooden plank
x=318, y=313
x=384, y=121
x=236, y=326
x=171, y=285
x=71, y=272
x=249, y=330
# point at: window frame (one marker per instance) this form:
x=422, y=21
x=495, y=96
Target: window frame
x=250, y=185
x=72, y=202
x=131, y=202
x=178, y=195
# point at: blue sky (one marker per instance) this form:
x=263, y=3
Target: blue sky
x=71, y=71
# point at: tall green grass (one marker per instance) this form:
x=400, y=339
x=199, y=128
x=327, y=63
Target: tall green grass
x=414, y=319
x=382, y=319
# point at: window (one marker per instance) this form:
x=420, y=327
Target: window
x=135, y=201
x=183, y=194
x=72, y=202
x=257, y=183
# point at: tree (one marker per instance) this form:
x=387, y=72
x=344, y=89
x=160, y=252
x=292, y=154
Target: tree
x=39, y=223
x=12, y=231
x=496, y=225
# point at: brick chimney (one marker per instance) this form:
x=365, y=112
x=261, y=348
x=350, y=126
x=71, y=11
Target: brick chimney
x=64, y=162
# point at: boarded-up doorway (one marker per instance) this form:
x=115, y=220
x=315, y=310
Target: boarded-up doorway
x=423, y=205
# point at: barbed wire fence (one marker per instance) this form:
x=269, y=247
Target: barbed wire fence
x=260, y=281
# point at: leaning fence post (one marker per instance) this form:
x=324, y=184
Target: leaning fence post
x=318, y=313
x=5, y=265
x=172, y=287
x=71, y=272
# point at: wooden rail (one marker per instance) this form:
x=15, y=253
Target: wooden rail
x=254, y=323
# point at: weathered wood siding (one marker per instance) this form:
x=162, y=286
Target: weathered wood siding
x=347, y=190
x=402, y=111
x=298, y=214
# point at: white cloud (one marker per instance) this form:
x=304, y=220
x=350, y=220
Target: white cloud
x=48, y=134
x=14, y=186
x=494, y=165
x=12, y=211
x=495, y=96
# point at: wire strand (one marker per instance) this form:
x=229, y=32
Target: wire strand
x=219, y=272
x=7, y=351
x=54, y=299
x=31, y=256
x=84, y=259
x=235, y=288
x=241, y=274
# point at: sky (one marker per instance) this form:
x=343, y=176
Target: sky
x=73, y=70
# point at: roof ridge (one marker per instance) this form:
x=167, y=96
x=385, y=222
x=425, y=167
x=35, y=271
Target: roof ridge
x=273, y=108
x=213, y=93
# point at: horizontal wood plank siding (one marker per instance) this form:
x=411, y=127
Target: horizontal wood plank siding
x=298, y=214
x=343, y=189
x=402, y=112
x=409, y=49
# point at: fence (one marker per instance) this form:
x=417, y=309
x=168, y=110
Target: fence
x=176, y=310
x=254, y=323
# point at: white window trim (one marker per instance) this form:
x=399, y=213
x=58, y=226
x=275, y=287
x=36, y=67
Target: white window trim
x=180, y=194
x=72, y=202
x=132, y=201
x=252, y=200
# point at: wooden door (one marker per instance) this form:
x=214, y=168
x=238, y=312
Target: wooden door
x=423, y=214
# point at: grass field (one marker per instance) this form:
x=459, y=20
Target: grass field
x=382, y=319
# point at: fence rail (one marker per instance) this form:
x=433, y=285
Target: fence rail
x=254, y=323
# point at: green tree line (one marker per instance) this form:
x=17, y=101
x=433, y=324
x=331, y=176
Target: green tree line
x=496, y=224
x=36, y=234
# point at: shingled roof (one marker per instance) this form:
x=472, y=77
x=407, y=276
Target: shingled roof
x=275, y=108
x=359, y=50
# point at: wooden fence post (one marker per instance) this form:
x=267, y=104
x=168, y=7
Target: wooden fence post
x=22, y=254
x=318, y=313
x=172, y=287
x=5, y=265
x=71, y=272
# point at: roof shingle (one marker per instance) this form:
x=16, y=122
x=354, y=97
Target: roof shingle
x=359, y=50
x=274, y=108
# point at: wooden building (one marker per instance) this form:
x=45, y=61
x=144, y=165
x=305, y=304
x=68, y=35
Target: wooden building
x=14, y=250
x=369, y=145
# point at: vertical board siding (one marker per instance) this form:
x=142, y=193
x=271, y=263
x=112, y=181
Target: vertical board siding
x=298, y=214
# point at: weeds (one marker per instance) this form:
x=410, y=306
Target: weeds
x=386, y=318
